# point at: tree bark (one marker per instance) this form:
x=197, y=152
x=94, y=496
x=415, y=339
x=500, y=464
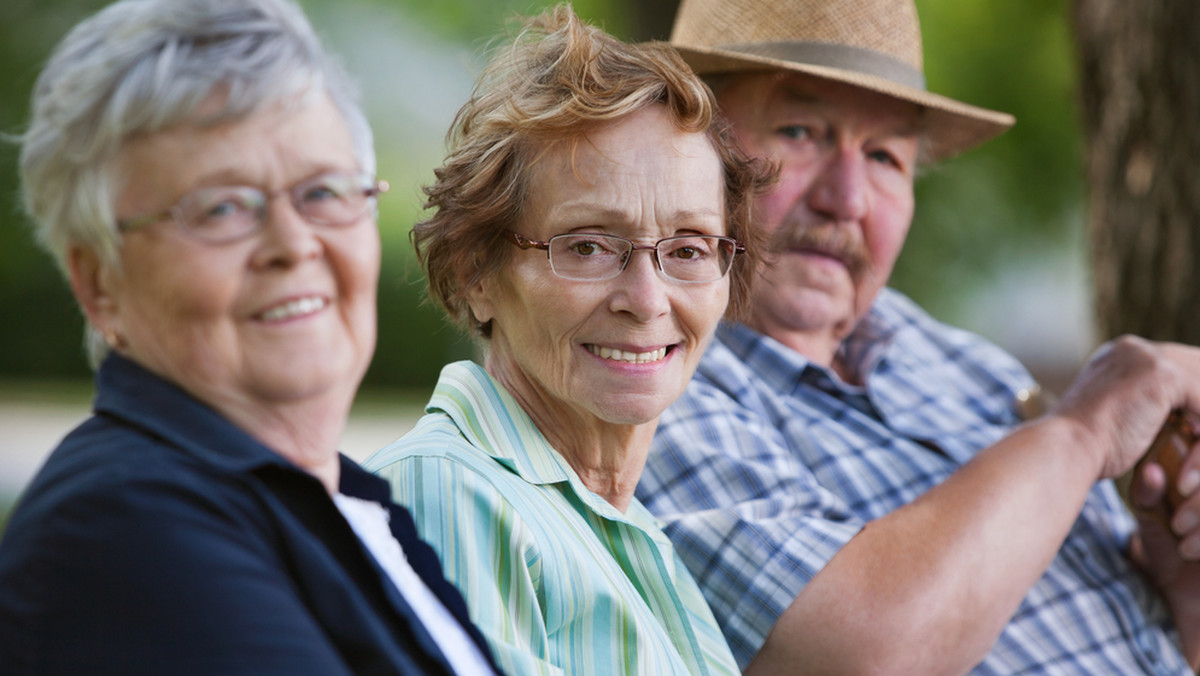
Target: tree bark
x=1140, y=94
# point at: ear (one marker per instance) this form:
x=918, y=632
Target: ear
x=479, y=300
x=92, y=285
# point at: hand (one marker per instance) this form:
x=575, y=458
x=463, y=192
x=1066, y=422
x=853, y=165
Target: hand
x=1165, y=482
x=1125, y=393
x=1169, y=555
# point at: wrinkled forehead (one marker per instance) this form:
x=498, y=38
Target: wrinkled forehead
x=776, y=93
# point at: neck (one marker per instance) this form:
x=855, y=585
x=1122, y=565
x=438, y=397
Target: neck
x=307, y=432
x=821, y=347
x=609, y=459
x=607, y=456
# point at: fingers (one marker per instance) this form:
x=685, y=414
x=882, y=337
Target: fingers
x=1149, y=486
x=1183, y=361
x=1185, y=444
x=1185, y=522
x=1184, y=525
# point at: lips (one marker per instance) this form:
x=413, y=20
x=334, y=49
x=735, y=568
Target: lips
x=296, y=307
x=614, y=354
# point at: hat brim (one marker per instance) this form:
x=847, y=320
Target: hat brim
x=951, y=126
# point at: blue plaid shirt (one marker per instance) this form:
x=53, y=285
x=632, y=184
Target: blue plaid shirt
x=769, y=464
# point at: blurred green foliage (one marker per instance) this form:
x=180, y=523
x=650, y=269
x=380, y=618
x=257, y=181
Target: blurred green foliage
x=1019, y=192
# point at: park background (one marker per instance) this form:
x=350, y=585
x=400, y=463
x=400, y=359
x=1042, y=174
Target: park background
x=998, y=243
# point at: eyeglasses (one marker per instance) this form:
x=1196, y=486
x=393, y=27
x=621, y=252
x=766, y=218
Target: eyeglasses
x=229, y=213
x=594, y=257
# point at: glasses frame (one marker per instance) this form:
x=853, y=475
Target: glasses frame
x=523, y=242
x=374, y=188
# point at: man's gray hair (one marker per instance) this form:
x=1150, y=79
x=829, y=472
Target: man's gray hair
x=139, y=66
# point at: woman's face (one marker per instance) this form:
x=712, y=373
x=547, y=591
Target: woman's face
x=283, y=316
x=620, y=350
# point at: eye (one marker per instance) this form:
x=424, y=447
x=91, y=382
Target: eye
x=691, y=249
x=585, y=247
x=588, y=246
x=687, y=252
x=222, y=206
x=223, y=210
x=327, y=188
x=883, y=157
x=795, y=132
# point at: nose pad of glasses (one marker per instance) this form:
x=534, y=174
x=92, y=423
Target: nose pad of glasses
x=625, y=257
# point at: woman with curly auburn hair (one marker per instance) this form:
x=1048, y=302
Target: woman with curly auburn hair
x=590, y=225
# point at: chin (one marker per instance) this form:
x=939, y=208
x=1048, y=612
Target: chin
x=310, y=378
x=632, y=409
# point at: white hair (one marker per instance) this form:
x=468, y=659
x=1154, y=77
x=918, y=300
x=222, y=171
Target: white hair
x=139, y=66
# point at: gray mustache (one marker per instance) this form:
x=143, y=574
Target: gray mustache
x=829, y=240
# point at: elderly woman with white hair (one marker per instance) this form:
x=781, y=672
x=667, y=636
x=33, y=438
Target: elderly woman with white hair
x=202, y=173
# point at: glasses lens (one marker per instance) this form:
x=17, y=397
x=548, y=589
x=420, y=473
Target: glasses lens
x=334, y=199
x=221, y=214
x=588, y=257
x=702, y=258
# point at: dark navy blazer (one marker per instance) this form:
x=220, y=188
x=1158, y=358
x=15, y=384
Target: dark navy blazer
x=160, y=539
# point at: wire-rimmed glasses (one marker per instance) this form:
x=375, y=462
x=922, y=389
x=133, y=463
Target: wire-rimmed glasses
x=596, y=257
x=221, y=214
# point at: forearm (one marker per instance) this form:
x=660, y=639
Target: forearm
x=928, y=588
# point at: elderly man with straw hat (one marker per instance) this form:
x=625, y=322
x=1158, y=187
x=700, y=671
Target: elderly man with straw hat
x=859, y=488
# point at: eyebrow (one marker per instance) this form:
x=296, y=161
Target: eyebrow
x=912, y=125
x=608, y=216
x=796, y=96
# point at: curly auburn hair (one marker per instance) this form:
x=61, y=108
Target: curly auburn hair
x=557, y=81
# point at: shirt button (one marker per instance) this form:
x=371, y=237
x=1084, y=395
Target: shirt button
x=1031, y=402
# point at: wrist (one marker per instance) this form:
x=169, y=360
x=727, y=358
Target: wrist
x=1077, y=443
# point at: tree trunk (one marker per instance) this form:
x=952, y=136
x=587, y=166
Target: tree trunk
x=1140, y=94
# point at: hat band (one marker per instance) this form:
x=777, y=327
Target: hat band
x=844, y=57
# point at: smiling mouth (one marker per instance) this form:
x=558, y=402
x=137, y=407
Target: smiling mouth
x=627, y=357
x=295, y=308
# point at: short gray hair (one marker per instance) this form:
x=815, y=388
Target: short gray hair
x=140, y=66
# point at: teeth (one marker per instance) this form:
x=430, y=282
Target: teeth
x=293, y=308
x=631, y=357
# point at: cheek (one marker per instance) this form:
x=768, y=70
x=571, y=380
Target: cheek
x=179, y=297
x=772, y=208
x=887, y=237
x=359, y=258
x=702, y=311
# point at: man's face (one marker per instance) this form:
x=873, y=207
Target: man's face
x=842, y=207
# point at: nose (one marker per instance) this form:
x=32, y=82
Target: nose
x=839, y=190
x=641, y=290
x=286, y=237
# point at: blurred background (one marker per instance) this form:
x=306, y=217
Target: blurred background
x=998, y=243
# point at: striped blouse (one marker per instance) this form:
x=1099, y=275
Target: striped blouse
x=558, y=580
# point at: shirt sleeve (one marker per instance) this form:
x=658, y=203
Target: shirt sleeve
x=486, y=551
x=749, y=520
x=147, y=575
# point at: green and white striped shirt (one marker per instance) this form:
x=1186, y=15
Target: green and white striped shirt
x=558, y=580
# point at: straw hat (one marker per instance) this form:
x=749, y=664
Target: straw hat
x=873, y=44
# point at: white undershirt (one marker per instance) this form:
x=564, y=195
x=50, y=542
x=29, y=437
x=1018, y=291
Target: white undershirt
x=370, y=522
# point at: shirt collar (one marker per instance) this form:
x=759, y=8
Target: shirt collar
x=127, y=391
x=492, y=421
x=872, y=341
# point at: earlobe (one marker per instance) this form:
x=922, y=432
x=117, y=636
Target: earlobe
x=479, y=302
x=91, y=283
